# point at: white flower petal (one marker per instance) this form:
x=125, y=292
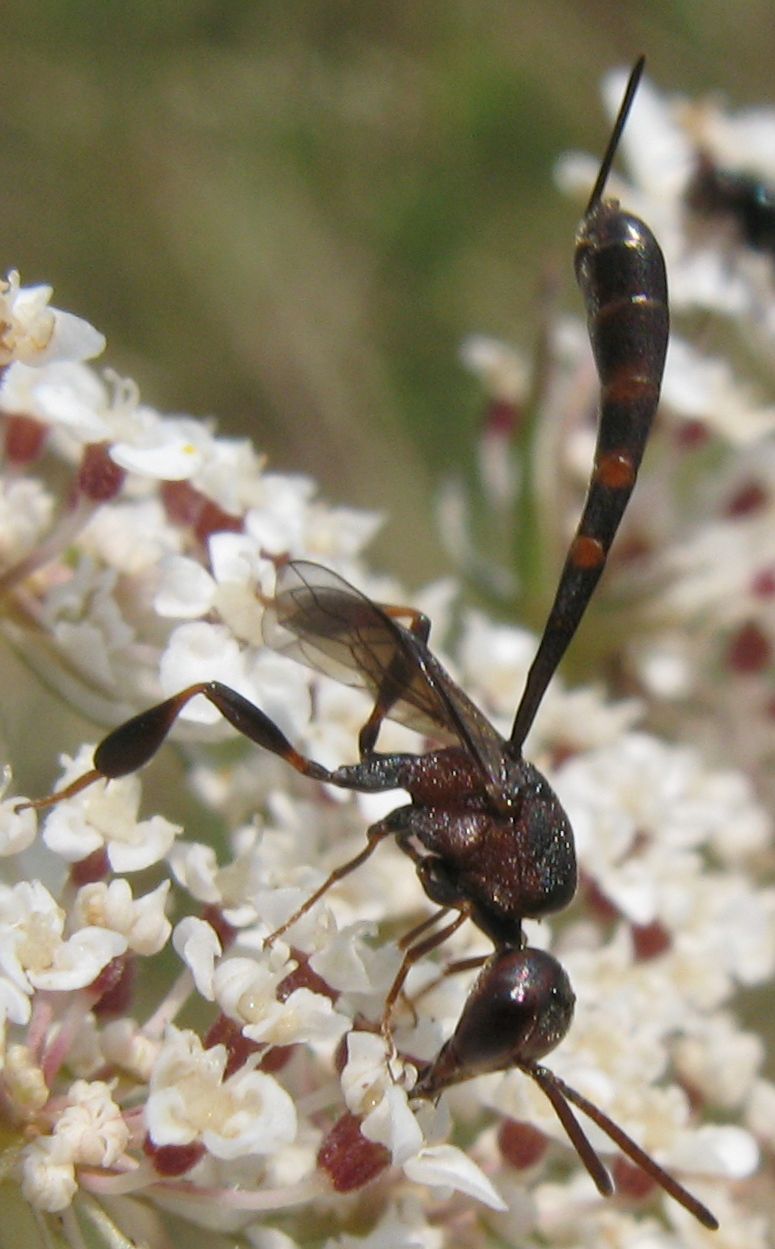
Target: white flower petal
x=262, y=1118
x=79, y=960
x=726, y=1150
x=186, y=589
x=197, y=651
x=198, y=945
x=445, y=1166
x=48, y=1180
x=392, y=1124
x=93, y=1125
x=176, y=460
x=18, y=829
x=149, y=843
x=73, y=339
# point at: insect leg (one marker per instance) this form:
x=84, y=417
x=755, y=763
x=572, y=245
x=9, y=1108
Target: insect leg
x=417, y=621
x=398, y=671
x=411, y=936
x=455, y=968
x=375, y=834
x=412, y=955
x=136, y=741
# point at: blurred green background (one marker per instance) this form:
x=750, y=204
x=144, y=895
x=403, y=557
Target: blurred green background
x=289, y=214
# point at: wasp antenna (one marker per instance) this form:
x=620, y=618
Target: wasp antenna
x=616, y=134
x=559, y=1092
x=549, y=1084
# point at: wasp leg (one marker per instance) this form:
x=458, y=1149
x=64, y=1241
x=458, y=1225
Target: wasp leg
x=398, y=672
x=411, y=956
x=136, y=741
x=388, y=827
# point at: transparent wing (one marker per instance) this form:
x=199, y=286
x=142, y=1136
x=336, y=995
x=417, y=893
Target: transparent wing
x=322, y=621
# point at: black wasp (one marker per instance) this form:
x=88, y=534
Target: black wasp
x=741, y=199
x=485, y=831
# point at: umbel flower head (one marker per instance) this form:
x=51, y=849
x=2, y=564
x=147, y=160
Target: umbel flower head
x=160, y=1066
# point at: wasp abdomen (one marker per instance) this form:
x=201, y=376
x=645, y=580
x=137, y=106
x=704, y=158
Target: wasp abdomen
x=621, y=272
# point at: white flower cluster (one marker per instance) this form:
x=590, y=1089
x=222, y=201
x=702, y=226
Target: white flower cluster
x=153, y=1047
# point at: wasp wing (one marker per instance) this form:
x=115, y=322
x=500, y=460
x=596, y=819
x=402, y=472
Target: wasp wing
x=322, y=621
